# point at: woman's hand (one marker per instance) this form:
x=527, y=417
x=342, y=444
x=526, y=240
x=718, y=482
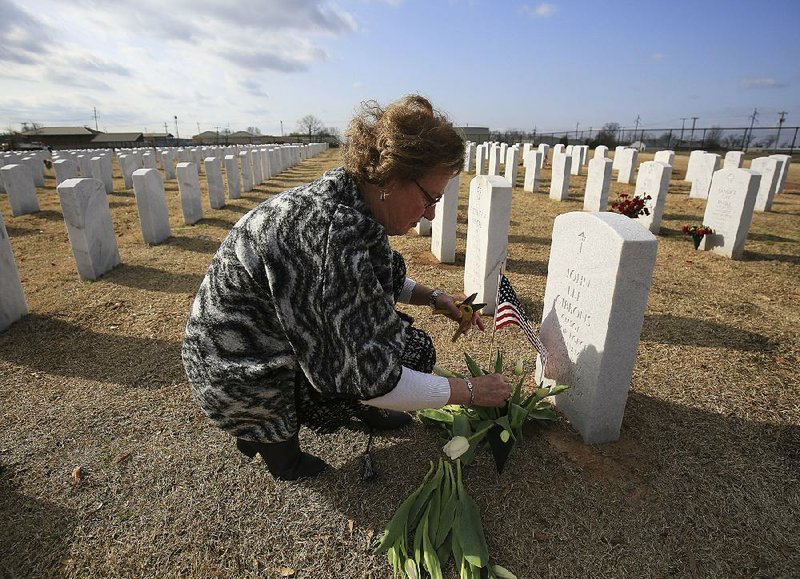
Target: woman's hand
x=448, y=304
x=488, y=390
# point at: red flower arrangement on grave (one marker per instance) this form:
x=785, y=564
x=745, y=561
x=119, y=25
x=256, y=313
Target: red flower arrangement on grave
x=697, y=233
x=631, y=206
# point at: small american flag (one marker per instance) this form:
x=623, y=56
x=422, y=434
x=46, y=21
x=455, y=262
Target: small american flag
x=511, y=311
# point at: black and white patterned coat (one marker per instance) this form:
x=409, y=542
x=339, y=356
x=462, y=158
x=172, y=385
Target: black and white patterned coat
x=305, y=282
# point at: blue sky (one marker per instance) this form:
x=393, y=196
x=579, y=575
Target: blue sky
x=499, y=63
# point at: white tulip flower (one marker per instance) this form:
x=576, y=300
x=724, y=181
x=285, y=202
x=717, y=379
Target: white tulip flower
x=457, y=446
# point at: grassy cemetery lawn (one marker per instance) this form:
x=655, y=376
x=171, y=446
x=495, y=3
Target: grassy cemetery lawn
x=108, y=468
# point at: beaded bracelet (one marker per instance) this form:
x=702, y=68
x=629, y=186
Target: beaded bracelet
x=471, y=391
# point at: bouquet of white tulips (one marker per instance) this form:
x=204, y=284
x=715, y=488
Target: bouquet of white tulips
x=468, y=427
x=443, y=520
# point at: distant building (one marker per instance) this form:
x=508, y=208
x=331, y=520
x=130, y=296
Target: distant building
x=159, y=139
x=118, y=140
x=244, y=138
x=474, y=134
x=61, y=137
x=639, y=146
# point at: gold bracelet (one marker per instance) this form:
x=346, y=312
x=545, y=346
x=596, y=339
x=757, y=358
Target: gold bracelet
x=471, y=391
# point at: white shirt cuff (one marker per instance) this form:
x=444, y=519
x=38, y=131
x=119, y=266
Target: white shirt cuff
x=405, y=294
x=414, y=391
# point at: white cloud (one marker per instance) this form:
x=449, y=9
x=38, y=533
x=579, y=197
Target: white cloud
x=139, y=62
x=759, y=82
x=542, y=10
x=657, y=56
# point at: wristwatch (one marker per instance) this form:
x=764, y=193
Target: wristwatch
x=434, y=296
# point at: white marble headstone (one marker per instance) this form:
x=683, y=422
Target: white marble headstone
x=544, y=149
x=576, y=166
x=101, y=170
x=704, y=168
x=168, y=164
x=512, y=165
x=533, y=167
x=148, y=160
x=733, y=160
x=653, y=180
x=423, y=227
x=559, y=180
x=487, y=237
x=598, y=182
x=191, y=196
x=627, y=165
x=12, y=297
x=729, y=211
x=266, y=169
x=494, y=160
x=784, y=162
x=65, y=169
x=247, y=171
x=443, y=226
x=667, y=157
x=469, y=157
x=127, y=165
x=255, y=163
x=232, y=174
x=216, y=192
x=481, y=155
x=769, y=169
x=91, y=233
x=694, y=161
x=18, y=183
x=598, y=281
x=36, y=166
x=151, y=203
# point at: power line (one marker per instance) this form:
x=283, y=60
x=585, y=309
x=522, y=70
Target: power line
x=782, y=117
x=749, y=133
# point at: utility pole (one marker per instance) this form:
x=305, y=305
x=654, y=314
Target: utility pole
x=782, y=117
x=749, y=133
x=683, y=124
x=576, y=130
x=166, y=130
x=95, y=118
x=177, y=134
x=691, y=136
x=281, y=128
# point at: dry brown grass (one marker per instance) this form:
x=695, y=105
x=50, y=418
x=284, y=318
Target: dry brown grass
x=703, y=482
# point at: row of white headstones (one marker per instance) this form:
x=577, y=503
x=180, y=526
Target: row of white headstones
x=601, y=263
x=85, y=207
x=599, y=272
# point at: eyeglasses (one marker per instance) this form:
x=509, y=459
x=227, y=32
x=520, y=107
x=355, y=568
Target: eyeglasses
x=431, y=200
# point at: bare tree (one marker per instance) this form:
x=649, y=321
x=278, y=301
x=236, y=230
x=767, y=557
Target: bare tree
x=254, y=130
x=607, y=135
x=30, y=126
x=713, y=138
x=309, y=125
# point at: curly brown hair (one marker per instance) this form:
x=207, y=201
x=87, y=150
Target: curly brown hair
x=404, y=141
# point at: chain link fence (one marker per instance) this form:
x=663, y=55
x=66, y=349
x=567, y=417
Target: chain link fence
x=772, y=139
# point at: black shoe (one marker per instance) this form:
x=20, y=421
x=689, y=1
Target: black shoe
x=284, y=459
x=382, y=419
